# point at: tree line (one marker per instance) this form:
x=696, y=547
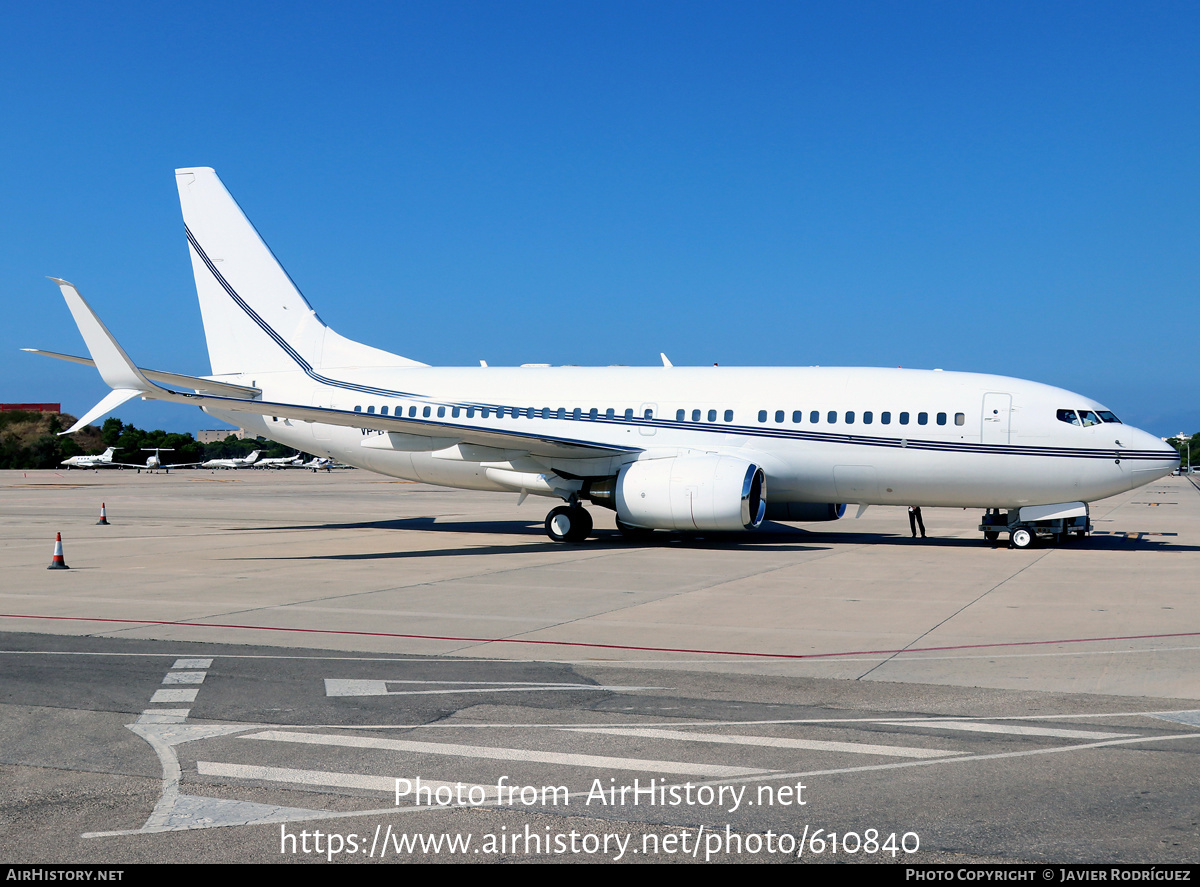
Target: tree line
x=30, y=440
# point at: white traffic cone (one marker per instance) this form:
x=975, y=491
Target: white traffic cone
x=57, y=562
x=103, y=517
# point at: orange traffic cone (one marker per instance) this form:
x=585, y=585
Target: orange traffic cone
x=57, y=562
x=103, y=517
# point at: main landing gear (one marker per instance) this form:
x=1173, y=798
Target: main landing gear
x=569, y=523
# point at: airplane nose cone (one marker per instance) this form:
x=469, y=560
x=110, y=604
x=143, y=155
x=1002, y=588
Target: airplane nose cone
x=1150, y=456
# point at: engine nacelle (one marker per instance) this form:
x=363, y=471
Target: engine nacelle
x=804, y=512
x=692, y=493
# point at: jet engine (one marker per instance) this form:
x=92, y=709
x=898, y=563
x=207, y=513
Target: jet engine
x=707, y=492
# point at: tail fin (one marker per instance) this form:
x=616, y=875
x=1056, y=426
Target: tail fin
x=255, y=318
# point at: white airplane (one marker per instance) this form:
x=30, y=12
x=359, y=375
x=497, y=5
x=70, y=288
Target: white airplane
x=666, y=448
x=101, y=460
x=293, y=461
x=244, y=462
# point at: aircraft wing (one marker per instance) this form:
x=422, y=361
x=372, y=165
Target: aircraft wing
x=409, y=434
x=197, y=383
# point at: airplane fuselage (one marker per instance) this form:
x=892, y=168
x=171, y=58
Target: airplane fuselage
x=845, y=435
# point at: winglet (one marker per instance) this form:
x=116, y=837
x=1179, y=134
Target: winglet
x=114, y=399
x=115, y=367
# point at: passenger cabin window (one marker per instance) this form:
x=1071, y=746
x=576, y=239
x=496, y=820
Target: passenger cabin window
x=470, y=412
x=779, y=415
x=868, y=417
x=814, y=417
x=885, y=418
x=960, y=418
x=797, y=417
x=904, y=418
x=383, y=411
x=922, y=418
x=359, y=410
x=370, y=409
x=412, y=413
x=695, y=415
x=425, y=412
x=610, y=413
x=729, y=415
x=593, y=414
x=850, y=417
x=941, y=418
x=762, y=415
x=441, y=412
x=832, y=417
x=454, y=413
x=629, y=414
x=648, y=414
x=562, y=413
x=576, y=413
x=680, y=415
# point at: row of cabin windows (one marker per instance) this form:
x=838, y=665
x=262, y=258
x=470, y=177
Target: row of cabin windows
x=578, y=413
x=814, y=418
x=868, y=417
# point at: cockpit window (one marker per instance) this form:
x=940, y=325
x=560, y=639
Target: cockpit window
x=1106, y=416
x=1089, y=418
x=1068, y=416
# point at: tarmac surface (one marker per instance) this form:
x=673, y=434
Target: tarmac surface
x=245, y=659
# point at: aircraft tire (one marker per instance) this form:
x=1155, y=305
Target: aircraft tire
x=1021, y=538
x=567, y=524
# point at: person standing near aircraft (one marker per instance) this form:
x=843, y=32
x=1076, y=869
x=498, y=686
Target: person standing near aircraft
x=914, y=520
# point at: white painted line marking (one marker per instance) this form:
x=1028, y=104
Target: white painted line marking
x=322, y=777
x=1012, y=729
x=163, y=716
x=174, y=696
x=367, y=687
x=192, y=663
x=507, y=754
x=184, y=677
x=1191, y=718
x=860, y=748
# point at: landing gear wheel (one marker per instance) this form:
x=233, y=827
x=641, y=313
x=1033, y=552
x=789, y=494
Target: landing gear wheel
x=567, y=524
x=991, y=535
x=1021, y=538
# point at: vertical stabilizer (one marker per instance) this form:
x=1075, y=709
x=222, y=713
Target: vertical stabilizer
x=255, y=319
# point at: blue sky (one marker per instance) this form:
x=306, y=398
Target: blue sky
x=986, y=187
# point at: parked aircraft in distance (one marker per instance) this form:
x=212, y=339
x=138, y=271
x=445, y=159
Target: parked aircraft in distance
x=244, y=462
x=666, y=448
x=293, y=461
x=100, y=460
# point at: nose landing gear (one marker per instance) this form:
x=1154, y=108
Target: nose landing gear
x=568, y=523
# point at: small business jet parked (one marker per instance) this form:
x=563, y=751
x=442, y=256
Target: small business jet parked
x=100, y=460
x=293, y=461
x=666, y=448
x=244, y=462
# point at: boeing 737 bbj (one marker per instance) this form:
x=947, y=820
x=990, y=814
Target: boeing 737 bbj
x=666, y=448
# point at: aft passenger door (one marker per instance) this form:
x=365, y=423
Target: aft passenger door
x=997, y=412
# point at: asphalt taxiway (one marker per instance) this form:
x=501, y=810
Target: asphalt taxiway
x=241, y=656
